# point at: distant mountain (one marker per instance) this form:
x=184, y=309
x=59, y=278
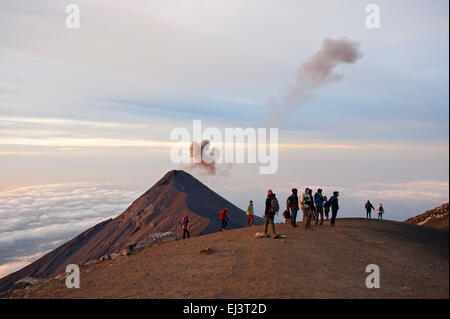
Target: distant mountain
x=437, y=218
x=160, y=209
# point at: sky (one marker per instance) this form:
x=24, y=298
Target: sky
x=86, y=114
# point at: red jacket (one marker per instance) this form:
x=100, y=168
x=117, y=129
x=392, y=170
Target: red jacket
x=223, y=214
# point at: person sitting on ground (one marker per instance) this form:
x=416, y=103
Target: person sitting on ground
x=318, y=199
x=224, y=218
x=333, y=202
x=380, y=211
x=184, y=227
x=305, y=202
x=369, y=208
x=272, y=208
x=292, y=206
x=250, y=214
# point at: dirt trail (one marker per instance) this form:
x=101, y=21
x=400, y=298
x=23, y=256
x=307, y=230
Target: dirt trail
x=318, y=263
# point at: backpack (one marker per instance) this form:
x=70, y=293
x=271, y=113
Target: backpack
x=307, y=200
x=274, y=206
x=287, y=214
x=290, y=201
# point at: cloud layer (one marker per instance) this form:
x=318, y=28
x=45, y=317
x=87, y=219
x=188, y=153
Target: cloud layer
x=37, y=219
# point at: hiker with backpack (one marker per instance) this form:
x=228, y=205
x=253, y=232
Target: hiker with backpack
x=272, y=207
x=306, y=206
x=369, y=208
x=250, y=214
x=333, y=203
x=224, y=218
x=380, y=211
x=318, y=199
x=184, y=227
x=326, y=208
x=292, y=207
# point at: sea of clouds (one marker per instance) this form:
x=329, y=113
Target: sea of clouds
x=37, y=219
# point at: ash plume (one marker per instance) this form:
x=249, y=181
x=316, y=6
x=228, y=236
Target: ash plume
x=314, y=73
x=197, y=154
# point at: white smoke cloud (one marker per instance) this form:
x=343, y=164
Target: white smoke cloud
x=37, y=219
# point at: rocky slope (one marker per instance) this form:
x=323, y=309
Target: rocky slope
x=158, y=210
x=437, y=218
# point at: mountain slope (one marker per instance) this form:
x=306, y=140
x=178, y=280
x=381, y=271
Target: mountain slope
x=160, y=209
x=317, y=263
x=437, y=218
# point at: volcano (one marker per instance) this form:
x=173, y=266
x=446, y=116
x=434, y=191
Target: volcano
x=160, y=209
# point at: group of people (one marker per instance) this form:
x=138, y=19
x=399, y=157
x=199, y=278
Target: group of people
x=313, y=208
x=369, y=208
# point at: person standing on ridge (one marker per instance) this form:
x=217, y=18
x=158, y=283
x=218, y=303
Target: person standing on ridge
x=369, y=208
x=224, y=218
x=292, y=206
x=380, y=211
x=250, y=214
x=272, y=208
x=311, y=205
x=305, y=202
x=184, y=227
x=326, y=208
x=333, y=202
x=318, y=199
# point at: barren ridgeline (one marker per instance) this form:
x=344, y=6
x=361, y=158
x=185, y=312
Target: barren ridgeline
x=317, y=263
x=122, y=258
x=159, y=210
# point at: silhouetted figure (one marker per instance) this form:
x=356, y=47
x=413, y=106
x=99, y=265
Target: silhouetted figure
x=326, y=208
x=224, y=218
x=306, y=206
x=380, y=211
x=269, y=214
x=319, y=199
x=369, y=208
x=184, y=227
x=312, y=205
x=333, y=203
x=292, y=206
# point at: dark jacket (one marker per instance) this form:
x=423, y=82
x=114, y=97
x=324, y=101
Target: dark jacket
x=294, y=200
x=333, y=202
x=312, y=199
x=269, y=204
x=369, y=206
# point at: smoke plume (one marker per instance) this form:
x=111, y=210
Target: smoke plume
x=313, y=74
x=197, y=152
